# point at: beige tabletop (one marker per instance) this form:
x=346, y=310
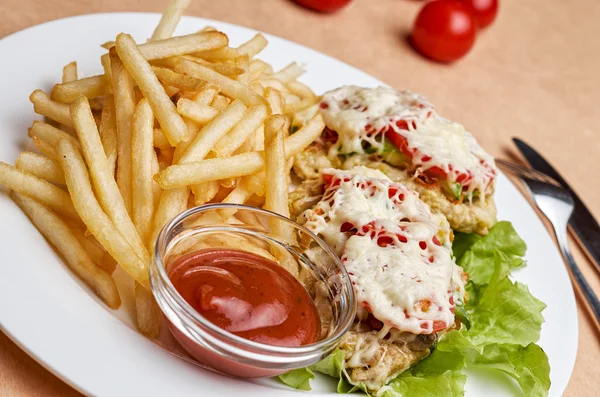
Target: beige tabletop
x=535, y=73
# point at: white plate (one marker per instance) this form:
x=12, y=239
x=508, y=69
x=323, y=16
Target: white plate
x=53, y=316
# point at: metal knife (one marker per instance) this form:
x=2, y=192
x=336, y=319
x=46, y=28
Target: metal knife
x=582, y=223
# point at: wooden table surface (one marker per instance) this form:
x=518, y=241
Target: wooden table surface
x=534, y=74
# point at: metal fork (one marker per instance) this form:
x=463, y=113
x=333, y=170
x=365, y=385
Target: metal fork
x=557, y=206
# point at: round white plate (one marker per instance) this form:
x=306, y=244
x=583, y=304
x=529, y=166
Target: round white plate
x=53, y=316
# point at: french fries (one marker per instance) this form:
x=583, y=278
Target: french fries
x=121, y=151
x=40, y=166
x=143, y=201
x=124, y=103
x=43, y=105
x=170, y=18
x=229, y=87
x=171, y=122
x=69, y=72
x=40, y=190
x=182, y=45
x=239, y=165
x=97, y=222
x=90, y=87
x=60, y=236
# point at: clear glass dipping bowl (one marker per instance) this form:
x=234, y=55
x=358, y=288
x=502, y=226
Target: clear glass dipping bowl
x=261, y=232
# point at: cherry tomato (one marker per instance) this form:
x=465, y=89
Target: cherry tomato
x=323, y=5
x=444, y=30
x=484, y=11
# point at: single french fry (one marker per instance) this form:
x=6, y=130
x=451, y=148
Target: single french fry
x=105, y=61
x=69, y=72
x=181, y=45
x=253, y=46
x=178, y=80
x=156, y=189
x=275, y=100
x=274, y=83
x=205, y=192
x=253, y=119
x=229, y=87
x=239, y=165
x=220, y=103
x=38, y=189
x=300, y=89
x=171, y=122
x=124, y=102
x=276, y=183
x=90, y=87
x=103, y=180
x=40, y=166
x=108, y=133
x=143, y=150
x=60, y=236
x=50, y=134
x=300, y=105
x=198, y=112
x=220, y=54
x=213, y=132
x=107, y=45
x=43, y=105
x=289, y=73
x=169, y=20
x=45, y=148
x=97, y=222
x=239, y=195
x=172, y=202
x=147, y=312
x=222, y=68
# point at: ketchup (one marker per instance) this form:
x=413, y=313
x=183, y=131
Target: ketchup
x=247, y=295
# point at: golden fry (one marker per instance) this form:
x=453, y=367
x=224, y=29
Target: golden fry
x=103, y=181
x=198, y=112
x=50, y=134
x=90, y=87
x=124, y=102
x=178, y=80
x=40, y=166
x=143, y=150
x=43, y=105
x=97, y=222
x=182, y=45
x=38, y=189
x=253, y=119
x=69, y=72
x=253, y=46
x=229, y=87
x=169, y=20
x=147, y=312
x=171, y=122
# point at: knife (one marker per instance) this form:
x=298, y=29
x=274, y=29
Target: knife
x=582, y=223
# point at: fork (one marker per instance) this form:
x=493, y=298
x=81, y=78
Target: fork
x=557, y=206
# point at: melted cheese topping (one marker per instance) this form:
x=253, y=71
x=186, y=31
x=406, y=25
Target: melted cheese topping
x=363, y=117
x=396, y=251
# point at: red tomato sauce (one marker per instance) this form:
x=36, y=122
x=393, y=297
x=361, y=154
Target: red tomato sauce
x=247, y=295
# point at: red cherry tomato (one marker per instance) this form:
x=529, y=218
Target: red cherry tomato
x=484, y=11
x=444, y=30
x=323, y=5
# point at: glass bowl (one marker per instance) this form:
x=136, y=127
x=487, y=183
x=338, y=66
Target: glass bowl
x=260, y=232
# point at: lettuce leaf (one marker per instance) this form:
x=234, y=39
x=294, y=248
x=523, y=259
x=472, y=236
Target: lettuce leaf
x=476, y=255
x=505, y=324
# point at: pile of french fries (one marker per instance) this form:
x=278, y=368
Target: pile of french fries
x=171, y=123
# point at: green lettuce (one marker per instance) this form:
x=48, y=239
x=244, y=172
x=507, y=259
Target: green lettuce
x=505, y=324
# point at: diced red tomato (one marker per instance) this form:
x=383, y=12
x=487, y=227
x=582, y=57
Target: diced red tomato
x=399, y=141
